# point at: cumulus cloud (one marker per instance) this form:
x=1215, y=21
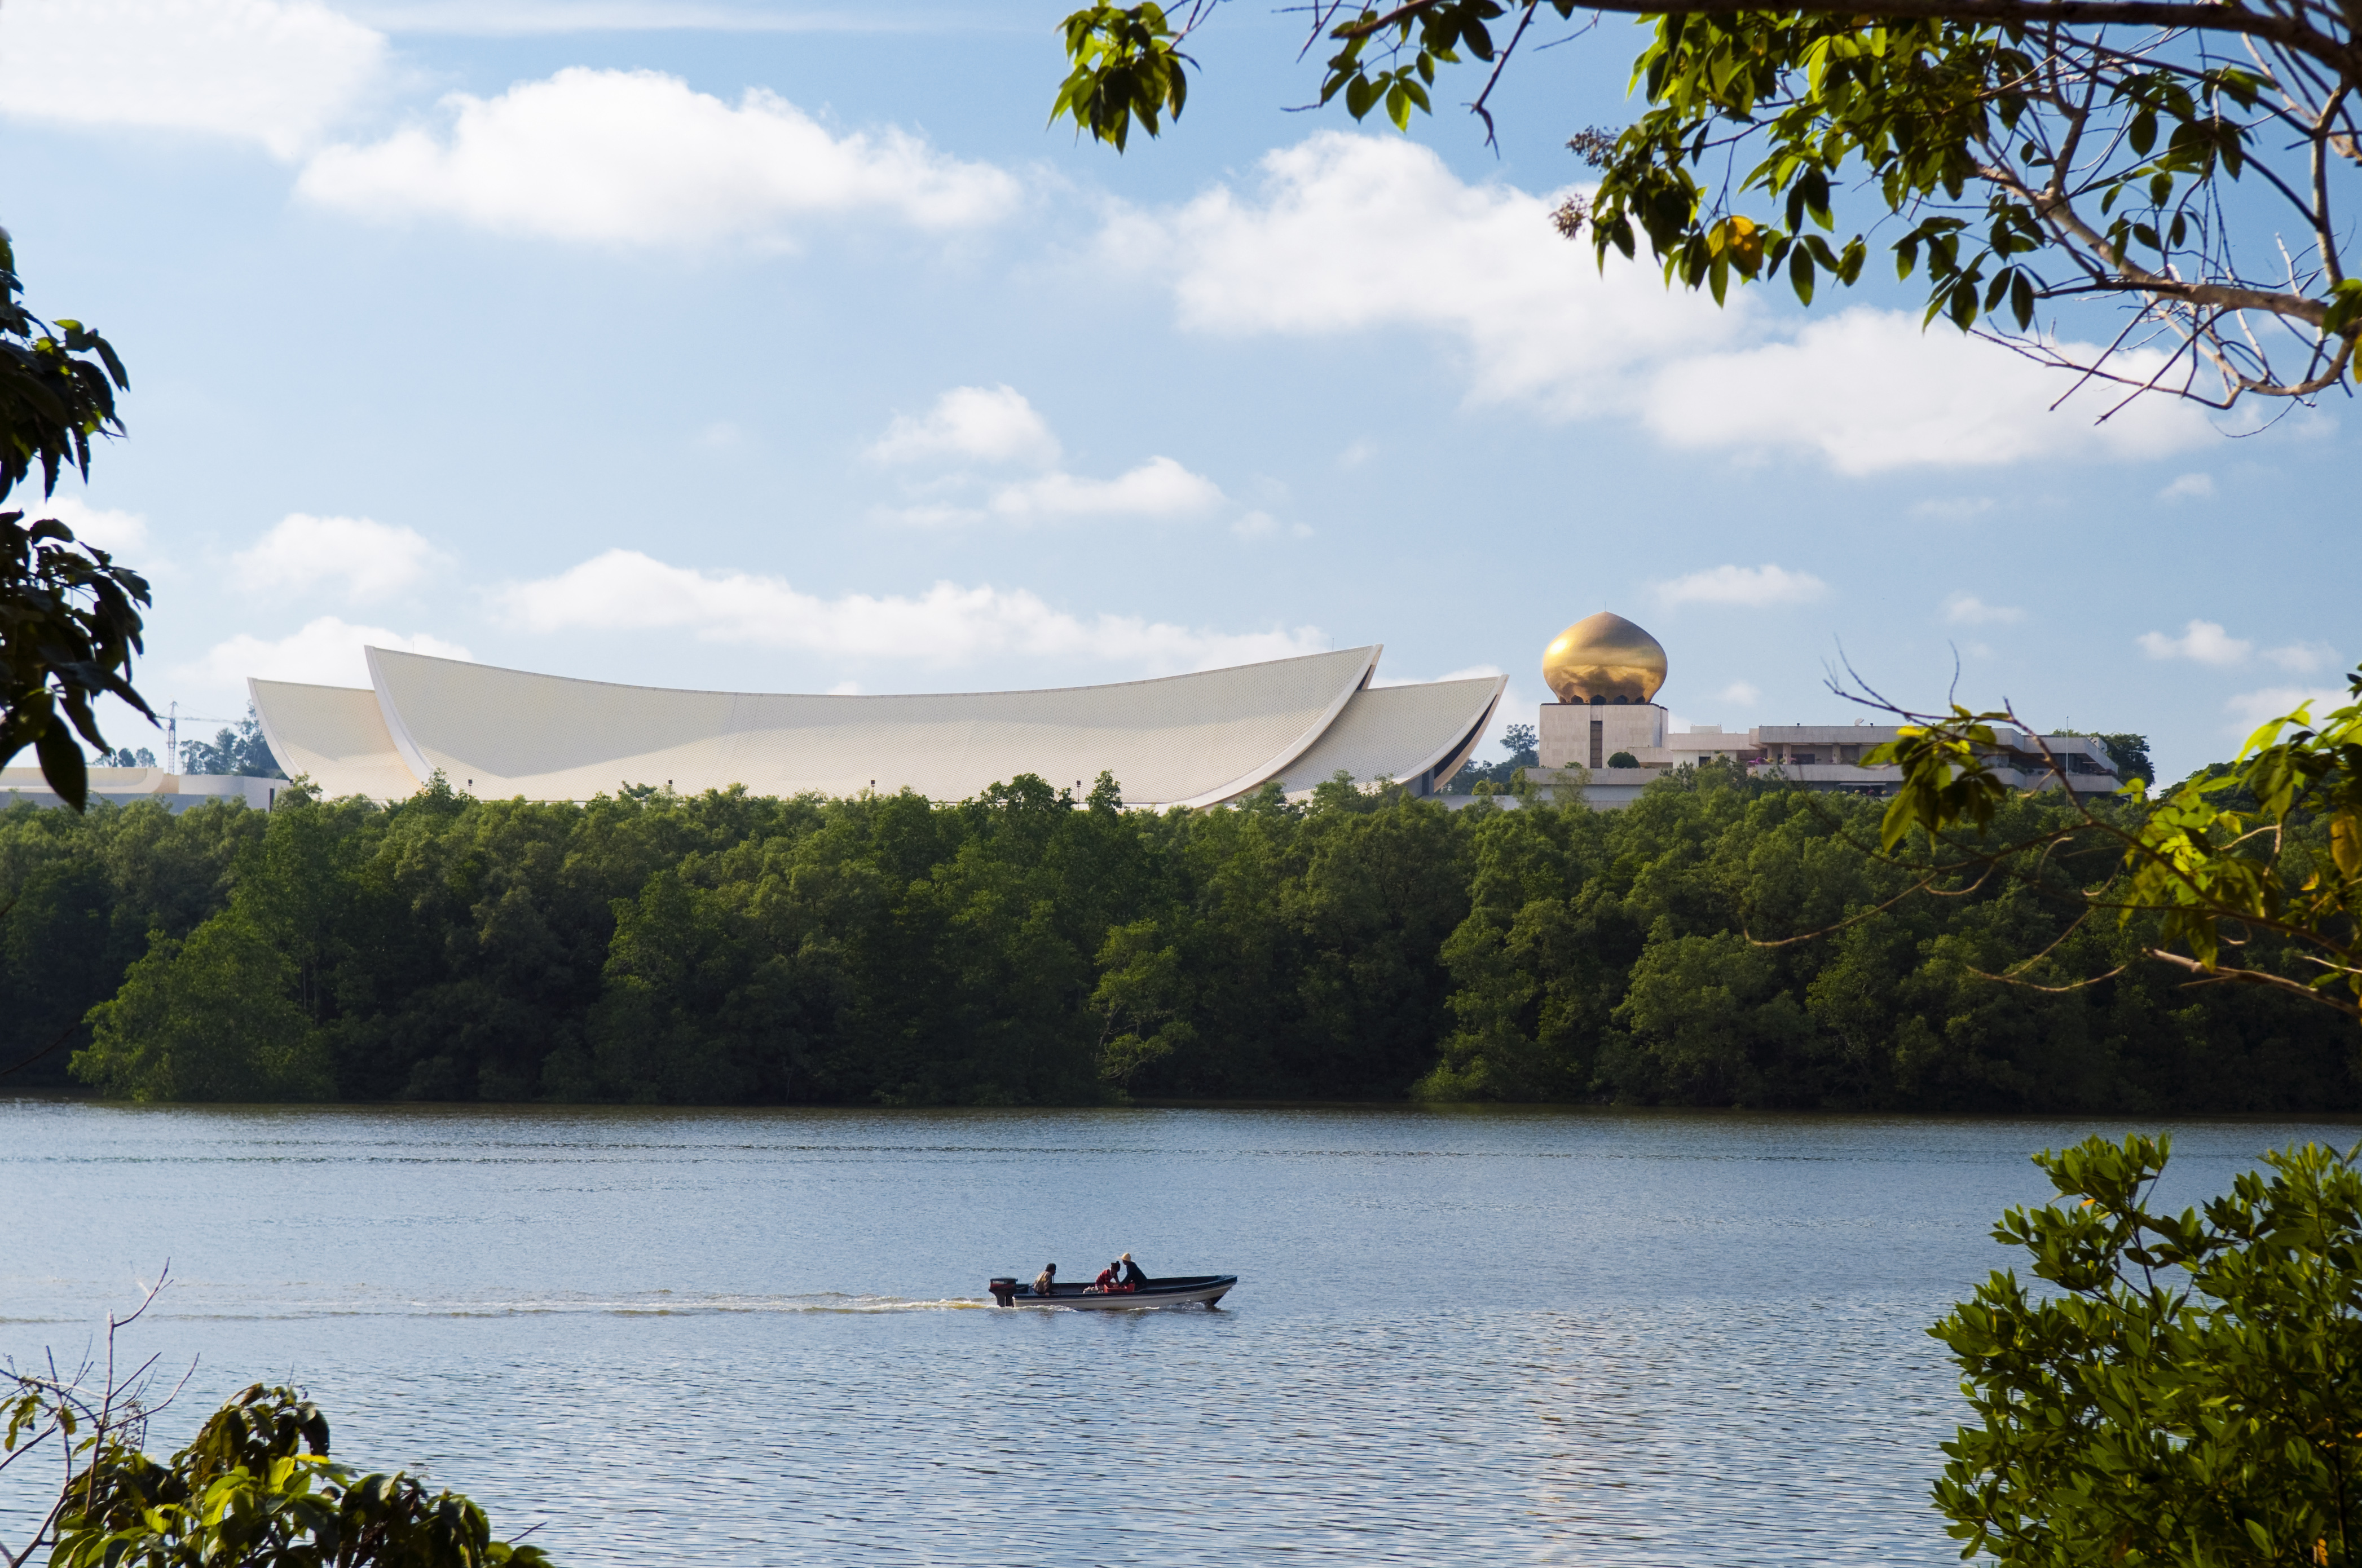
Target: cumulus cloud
x=368, y=560
x=947, y=625
x=326, y=652
x=123, y=534
x=637, y=158
x=996, y=427
x=2303, y=658
x=278, y=73
x=1953, y=508
x=1967, y=610
x=1465, y=672
x=2255, y=707
x=1754, y=585
x=1743, y=692
x=1158, y=487
x=2189, y=488
x=985, y=425
x=2207, y=642
x=1869, y=391
x=514, y=18
x=1350, y=234
x=2203, y=641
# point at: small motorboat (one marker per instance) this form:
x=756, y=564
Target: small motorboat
x=1171, y=1292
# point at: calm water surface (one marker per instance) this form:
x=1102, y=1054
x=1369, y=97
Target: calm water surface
x=756, y=1337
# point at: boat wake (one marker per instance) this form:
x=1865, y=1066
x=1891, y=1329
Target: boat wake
x=655, y=1304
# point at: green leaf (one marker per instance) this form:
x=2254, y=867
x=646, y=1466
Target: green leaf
x=62, y=764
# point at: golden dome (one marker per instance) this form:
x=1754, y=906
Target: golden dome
x=1604, y=658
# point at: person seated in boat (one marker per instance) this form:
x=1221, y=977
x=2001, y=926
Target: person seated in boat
x=1107, y=1283
x=1046, y=1282
x=1134, y=1276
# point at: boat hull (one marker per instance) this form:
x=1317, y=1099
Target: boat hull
x=1181, y=1290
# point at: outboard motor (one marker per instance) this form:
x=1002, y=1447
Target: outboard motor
x=1002, y=1289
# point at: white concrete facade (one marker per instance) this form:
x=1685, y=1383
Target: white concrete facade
x=1817, y=756
x=1195, y=739
x=1584, y=735
x=124, y=786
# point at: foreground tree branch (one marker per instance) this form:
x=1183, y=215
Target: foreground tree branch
x=70, y=619
x=2076, y=153
x=2270, y=846
x=255, y=1487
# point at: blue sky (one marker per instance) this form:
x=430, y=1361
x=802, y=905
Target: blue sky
x=777, y=347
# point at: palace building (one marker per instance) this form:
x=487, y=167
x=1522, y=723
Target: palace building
x=1606, y=673
x=1195, y=739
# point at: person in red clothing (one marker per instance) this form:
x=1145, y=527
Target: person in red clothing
x=1106, y=1283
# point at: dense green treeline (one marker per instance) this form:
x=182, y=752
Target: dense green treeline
x=1031, y=947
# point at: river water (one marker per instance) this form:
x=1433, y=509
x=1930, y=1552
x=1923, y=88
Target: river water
x=762, y=1337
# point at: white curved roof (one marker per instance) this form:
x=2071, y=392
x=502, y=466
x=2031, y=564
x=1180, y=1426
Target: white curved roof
x=1181, y=740
x=335, y=735
x=1400, y=733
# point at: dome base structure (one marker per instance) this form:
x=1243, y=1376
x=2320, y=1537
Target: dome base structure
x=1584, y=735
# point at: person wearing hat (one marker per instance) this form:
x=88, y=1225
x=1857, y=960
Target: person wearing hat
x=1134, y=1276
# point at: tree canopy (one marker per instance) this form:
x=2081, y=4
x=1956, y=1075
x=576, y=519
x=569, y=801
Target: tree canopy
x=242, y=749
x=2186, y=160
x=255, y=1487
x=1029, y=947
x=2260, y=857
x=2181, y=1389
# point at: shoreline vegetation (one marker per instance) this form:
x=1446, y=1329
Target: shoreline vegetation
x=1030, y=948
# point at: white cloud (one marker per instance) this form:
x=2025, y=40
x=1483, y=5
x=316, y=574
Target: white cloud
x=120, y=534
x=1957, y=508
x=2303, y=658
x=1756, y=585
x=2203, y=641
x=987, y=424
x=2208, y=644
x=371, y=560
x=1466, y=673
x=327, y=652
x=996, y=426
x=1158, y=487
x=949, y=624
x=515, y=18
x=1352, y=234
x=2255, y=707
x=1967, y=610
x=637, y=158
x=1741, y=692
x=2189, y=488
x=276, y=72
x=1867, y=391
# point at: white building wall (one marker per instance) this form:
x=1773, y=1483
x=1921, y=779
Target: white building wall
x=175, y=792
x=1584, y=735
